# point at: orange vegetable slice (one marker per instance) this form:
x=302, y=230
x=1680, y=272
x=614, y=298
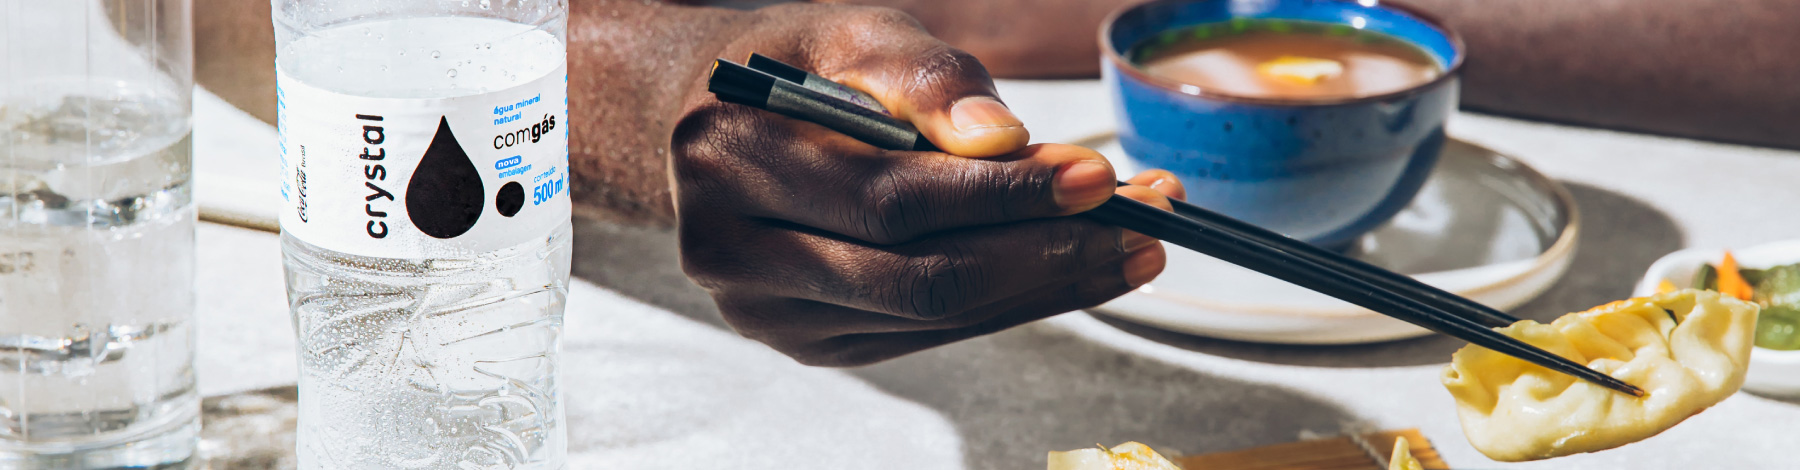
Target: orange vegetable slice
x=1731, y=282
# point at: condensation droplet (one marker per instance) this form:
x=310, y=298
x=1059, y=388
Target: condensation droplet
x=485, y=4
x=450, y=73
x=484, y=68
x=435, y=54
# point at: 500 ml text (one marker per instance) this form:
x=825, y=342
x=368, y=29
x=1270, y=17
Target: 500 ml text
x=530, y=134
x=374, y=172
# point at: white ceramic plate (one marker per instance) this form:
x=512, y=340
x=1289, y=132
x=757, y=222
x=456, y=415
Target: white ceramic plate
x=1485, y=226
x=1772, y=372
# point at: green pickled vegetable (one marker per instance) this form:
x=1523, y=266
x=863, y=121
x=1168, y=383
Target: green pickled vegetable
x=1778, y=291
x=1778, y=328
x=1707, y=278
x=1754, y=276
x=1779, y=285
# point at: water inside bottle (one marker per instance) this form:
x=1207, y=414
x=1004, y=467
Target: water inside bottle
x=445, y=363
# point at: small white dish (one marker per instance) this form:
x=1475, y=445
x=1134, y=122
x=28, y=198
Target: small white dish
x=1772, y=372
x=1485, y=226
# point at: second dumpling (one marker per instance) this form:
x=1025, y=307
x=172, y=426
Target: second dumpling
x=1687, y=349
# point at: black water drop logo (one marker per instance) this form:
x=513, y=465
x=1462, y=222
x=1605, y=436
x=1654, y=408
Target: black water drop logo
x=445, y=195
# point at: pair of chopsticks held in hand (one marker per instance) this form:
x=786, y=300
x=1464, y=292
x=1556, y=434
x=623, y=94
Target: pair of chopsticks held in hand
x=781, y=88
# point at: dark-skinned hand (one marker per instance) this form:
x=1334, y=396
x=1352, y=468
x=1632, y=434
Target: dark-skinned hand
x=839, y=253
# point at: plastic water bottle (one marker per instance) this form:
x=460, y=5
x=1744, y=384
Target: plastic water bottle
x=424, y=155
x=96, y=235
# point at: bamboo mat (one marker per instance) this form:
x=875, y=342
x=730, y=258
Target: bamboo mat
x=1340, y=453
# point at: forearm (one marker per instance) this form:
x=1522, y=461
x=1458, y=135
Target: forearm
x=234, y=53
x=1016, y=38
x=1716, y=70
x=629, y=67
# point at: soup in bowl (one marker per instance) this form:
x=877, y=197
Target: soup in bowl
x=1318, y=119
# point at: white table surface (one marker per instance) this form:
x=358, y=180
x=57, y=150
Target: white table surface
x=653, y=380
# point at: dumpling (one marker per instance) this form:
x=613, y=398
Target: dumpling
x=1687, y=349
x=1127, y=456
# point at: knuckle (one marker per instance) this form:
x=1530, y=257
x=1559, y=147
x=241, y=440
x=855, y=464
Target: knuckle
x=939, y=285
x=941, y=68
x=1075, y=246
x=707, y=138
x=701, y=258
x=894, y=211
x=756, y=324
x=840, y=27
x=864, y=19
x=1019, y=191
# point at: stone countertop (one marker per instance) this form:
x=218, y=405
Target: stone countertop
x=654, y=380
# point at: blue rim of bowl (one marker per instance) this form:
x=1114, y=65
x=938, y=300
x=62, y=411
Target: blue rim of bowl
x=1126, y=67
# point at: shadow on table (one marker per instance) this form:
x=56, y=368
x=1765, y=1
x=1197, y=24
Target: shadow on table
x=251, y=430
x=643, y=264
x=1020, y=393
x=1015, y=395
x=1620, y=237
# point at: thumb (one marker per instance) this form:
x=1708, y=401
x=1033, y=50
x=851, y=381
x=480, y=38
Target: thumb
x=944, y=92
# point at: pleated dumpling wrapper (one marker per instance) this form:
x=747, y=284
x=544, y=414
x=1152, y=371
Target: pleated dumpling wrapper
x=1687, y=349
x=1127, y=456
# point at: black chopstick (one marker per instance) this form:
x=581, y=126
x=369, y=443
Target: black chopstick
x=1399, y=283
x=1192, y=227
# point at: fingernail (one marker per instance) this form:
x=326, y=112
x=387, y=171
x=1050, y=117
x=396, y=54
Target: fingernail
x=1082, y=184
x=1134, y=241
x=1143, y=266
x=981, y=112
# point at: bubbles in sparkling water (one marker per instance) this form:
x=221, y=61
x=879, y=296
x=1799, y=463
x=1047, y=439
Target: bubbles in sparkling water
x=450, y=73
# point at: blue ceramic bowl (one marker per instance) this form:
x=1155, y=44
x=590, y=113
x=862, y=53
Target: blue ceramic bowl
x=1324, y=171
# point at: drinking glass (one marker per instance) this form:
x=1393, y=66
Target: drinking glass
x=96, y=234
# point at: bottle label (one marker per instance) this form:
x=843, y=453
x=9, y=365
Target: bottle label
x=424, y=178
